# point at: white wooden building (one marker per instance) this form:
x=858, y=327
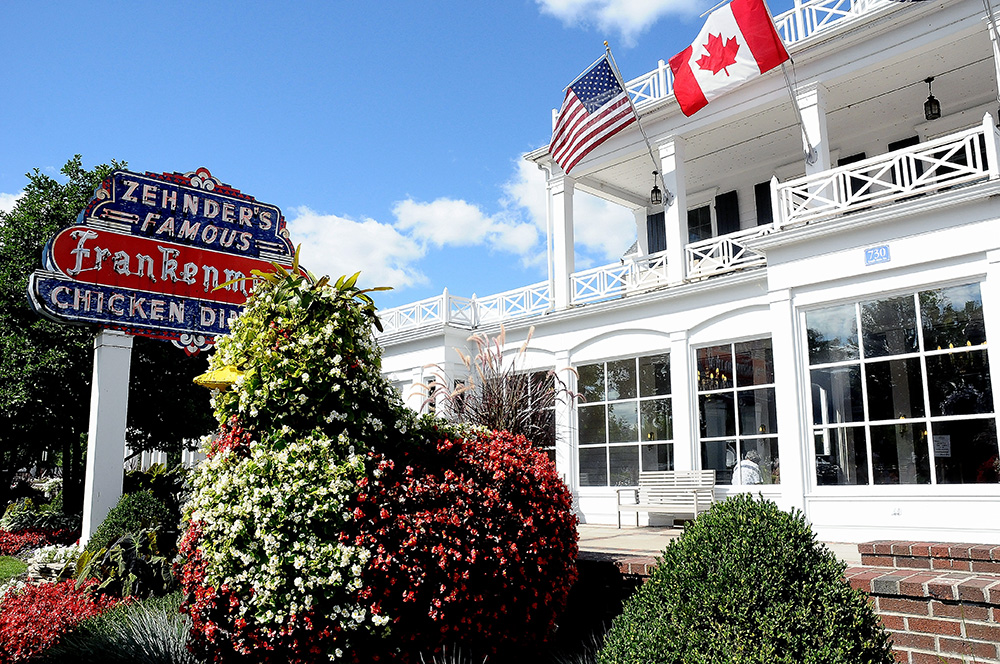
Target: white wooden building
x=834, y=321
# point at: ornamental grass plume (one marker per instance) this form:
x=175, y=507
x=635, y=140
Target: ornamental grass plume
x=329, y=521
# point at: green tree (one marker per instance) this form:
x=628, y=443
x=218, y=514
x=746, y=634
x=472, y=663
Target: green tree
x=46, y=367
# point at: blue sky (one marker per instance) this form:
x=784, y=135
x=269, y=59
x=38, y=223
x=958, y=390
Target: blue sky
x=389, y=133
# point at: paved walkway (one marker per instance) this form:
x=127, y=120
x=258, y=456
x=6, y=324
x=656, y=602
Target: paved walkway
x=648, y=542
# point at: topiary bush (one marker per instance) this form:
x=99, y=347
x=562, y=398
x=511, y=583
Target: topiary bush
x=133, y=512
x=747, y=583
x=330, y=522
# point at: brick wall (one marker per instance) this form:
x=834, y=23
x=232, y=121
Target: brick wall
x=940, y=602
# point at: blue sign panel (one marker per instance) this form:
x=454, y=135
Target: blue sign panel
x=66, y=300
x=876, y=255
x=192, y=209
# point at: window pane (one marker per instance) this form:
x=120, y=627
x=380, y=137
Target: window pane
x=699, y=223
x=952, y=317
x=833, y=334
x=592, y=426
x=959, y=383
x=889, y=327
x=720, y=456
x=965, y=452
x=656, y=420
x=623, y=422
x=841, y=456
x=717, y=415
x=837, y=395
x=624, y=465
x=757, y=412
x=654, y=376
x=760, y=462
x=895, y=389
x=593, y=466
x=591, y=382
x=754, y=363
x=658, y=457
x=899, y=454
x=715, y=368
x=543, y=425
x=621, y=380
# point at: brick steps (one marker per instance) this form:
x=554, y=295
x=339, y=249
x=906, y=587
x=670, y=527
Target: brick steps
x=939, y=601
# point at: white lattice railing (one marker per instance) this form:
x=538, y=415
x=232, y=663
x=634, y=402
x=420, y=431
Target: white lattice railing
x=949, y=161
x=795, y=25
x=468, y=312
x=608, y=281
x=413, y=315
x=724, y=253
x=812, y=17
x=518, y=303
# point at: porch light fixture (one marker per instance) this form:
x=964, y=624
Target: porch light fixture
x=655, y=195
x=932, y=107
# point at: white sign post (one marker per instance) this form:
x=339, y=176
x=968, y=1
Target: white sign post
x=106, y=439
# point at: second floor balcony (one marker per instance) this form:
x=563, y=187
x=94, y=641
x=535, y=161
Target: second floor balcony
x=961, y=159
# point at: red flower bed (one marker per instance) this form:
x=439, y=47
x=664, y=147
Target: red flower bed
x=33, y=620
x=13, y=543
x=474, y=543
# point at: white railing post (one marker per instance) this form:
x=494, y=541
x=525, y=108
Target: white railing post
x=661, y=79
x=777, y=210
x=445, y=307
x=992, y=146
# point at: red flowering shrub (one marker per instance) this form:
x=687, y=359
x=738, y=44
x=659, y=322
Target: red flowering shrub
x=33, y=619
x=13, y=543
x=473, y=540
x=330, y=522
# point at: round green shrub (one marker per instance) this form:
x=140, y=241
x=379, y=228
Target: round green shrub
x=133, y=513
x=747, y=583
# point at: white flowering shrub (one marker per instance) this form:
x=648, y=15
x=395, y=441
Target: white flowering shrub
x=268, y=571
x=54, y=555
x=328, y=521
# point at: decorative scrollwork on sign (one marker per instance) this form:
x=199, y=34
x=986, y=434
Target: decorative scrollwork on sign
x=192, y=344
x=202, y=179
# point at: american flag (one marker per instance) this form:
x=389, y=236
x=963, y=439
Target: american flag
x=595, y=109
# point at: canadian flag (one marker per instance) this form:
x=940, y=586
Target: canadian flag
x=737, y=43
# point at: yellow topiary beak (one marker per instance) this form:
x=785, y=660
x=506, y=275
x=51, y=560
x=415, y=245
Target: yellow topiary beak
x=220, y=379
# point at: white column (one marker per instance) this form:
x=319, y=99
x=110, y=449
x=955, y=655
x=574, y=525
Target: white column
x=675, y=217
x=106, y=438
x=641, y=233
x=560, y=190
x=812, y=105
x=684, y=405
x=794, y=437
x=990, y=290
x=565, y=440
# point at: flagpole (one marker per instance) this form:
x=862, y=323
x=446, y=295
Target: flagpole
x=668, y=196
x=811, y=155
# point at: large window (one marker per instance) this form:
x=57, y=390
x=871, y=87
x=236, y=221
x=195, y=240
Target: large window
x=625, y=420
x=901, y=390
x=738, y=422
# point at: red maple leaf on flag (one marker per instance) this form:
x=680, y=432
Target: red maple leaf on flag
x=719, y=55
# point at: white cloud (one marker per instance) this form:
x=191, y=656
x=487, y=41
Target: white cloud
x=388, y=253
x=7, y=201
x=456, y=223
x=628, y=18
x=602, y=229
x=334, y=246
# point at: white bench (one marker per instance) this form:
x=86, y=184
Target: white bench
x=677, y=492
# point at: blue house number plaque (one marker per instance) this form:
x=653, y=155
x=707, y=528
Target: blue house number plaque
x=877, y=255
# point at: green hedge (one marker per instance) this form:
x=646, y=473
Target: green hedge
x=747, y=583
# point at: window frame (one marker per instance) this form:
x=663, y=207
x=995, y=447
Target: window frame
x=605, y=403
x=735, y=390
x=863, y=361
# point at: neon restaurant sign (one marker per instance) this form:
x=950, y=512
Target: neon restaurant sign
x=147, y=253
